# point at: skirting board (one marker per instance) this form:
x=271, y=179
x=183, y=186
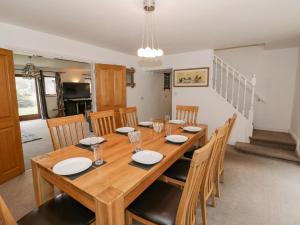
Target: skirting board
x=297, y=139
x=271, y=129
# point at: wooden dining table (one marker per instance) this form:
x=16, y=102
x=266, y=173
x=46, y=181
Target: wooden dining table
x=107, y=190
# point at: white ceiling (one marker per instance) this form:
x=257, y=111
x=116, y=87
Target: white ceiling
x=183, y=25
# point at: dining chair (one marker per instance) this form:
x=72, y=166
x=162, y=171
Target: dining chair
x=129, y=116
x=220, y=165
x=187, y=113
x=62, y=210
x=65, y=131
x=103, y=122
x=166, y=204
x=177, y=174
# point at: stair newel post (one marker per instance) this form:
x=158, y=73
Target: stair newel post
x=253, y=83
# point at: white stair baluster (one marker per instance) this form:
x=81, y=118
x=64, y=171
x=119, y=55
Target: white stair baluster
x=233, y=85
x=244, y=102
x=238, y=93
x=226, y=94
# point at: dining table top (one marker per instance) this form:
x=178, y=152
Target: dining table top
x=117, y=173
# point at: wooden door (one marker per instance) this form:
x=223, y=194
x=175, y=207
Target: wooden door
x=110, y=88
x=11, y=154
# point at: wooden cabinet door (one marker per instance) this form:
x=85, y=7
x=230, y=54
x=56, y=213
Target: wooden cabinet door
x=110, y=88
x=11, y=154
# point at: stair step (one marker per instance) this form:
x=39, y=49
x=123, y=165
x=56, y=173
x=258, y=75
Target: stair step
x=268, y=152
x=273, y=139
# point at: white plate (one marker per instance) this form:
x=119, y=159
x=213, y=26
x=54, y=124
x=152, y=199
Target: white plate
x=192, y=129
x=146, y=123
x=177, y=121
x=147, y=157
x=125, y=129
x=72, y=166
x=91, y=140
x=176, y=138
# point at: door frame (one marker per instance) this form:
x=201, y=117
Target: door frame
x=31, y=116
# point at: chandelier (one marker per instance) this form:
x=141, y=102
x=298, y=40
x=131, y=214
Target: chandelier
x=30, y=69
x=150, y=47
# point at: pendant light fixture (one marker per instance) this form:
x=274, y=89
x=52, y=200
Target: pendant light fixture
x=150, y=47
x=30, y=70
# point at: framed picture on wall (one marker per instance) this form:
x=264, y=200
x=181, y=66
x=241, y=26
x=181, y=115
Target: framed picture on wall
x=194, y=77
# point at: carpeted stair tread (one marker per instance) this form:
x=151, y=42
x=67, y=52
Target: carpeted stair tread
x=273, y=139
x=268, y=152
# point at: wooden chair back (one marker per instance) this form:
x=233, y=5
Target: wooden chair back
x=230, y=122
x=65, y=131
x=208, y=184
x=187, y=210
x=187, y=113
x=6, y=217
x=129, y=116
x=103, y=122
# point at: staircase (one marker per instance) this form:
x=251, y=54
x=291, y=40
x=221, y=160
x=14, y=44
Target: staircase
x=239, y=93
x=271, y=144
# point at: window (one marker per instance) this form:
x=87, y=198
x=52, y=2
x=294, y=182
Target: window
x=50, y=86
x=27, y=96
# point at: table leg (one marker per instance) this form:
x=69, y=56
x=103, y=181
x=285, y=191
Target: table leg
x=43, y=190
x=110, y=207
x=206, y=136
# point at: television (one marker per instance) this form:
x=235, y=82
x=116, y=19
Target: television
x=76, y=90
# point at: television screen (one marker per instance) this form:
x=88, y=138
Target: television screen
x=76, y=90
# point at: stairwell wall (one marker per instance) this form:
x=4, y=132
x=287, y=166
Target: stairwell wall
x=295, y=124
x=275, y=70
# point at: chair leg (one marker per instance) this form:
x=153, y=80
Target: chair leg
x=217, y=192
x=128, y=218
x=222, y=177
x=203, y=210
x=212, y=197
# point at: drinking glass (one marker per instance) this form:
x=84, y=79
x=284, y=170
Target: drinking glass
x=135, y=138
x=92, y=139
x=158, y=127
x=98, y=151
x=167, y=118
x=168, y=129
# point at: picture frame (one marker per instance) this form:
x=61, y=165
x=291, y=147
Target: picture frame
x=193, y=77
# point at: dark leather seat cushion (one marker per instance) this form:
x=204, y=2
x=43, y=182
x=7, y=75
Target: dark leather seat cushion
x=179, y=170
x=158, y=203
x=61, y=210
x=190, y=152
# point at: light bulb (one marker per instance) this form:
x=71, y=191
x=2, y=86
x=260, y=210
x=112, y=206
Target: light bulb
x=147, y=52
x=141, y=52
x=159, y=52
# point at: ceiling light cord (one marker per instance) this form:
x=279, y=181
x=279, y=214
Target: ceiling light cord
x=150, y=47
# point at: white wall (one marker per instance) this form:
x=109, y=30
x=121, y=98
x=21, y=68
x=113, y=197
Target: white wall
x=276, y=72
x=213, y=110
x=295, y=124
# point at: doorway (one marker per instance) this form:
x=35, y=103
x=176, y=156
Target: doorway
x=37, y=98
x=162, y=92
